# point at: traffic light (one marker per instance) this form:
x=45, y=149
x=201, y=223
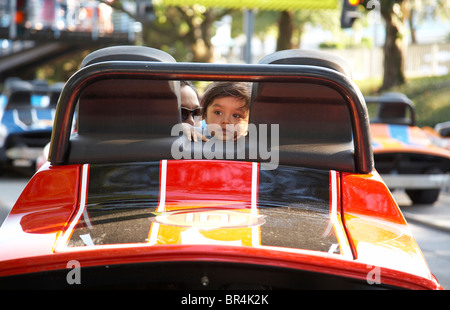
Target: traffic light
x=349, y=12
x=20, y=18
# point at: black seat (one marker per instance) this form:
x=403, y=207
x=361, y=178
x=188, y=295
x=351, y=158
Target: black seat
x=315, y=127
x=126, y=53
x=18, y=94
x=115, y=117
x=394, y=108
x=311, y=58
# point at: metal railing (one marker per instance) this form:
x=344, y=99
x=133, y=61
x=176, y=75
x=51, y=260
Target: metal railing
x=421, y=60
x=63, y=19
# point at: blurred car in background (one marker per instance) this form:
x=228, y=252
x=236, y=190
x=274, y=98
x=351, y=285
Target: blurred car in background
x=27, y=110
x=404, y=154
x=440, y=134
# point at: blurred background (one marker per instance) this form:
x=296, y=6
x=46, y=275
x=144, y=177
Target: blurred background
x=403, y=44
x=391, y=45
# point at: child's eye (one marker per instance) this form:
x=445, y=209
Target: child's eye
x=237, y=115
x=217, y=112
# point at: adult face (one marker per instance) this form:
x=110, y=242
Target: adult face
x=189, y=101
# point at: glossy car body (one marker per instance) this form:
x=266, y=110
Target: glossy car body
x=404, y=154
x=439, y=135
x=117, y=205
x=26, y=121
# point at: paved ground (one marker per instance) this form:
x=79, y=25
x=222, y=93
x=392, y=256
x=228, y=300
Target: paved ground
x=436, y=216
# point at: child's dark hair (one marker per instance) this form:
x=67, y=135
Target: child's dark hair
x=238, y=90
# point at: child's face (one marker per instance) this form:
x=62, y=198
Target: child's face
x=227, y=111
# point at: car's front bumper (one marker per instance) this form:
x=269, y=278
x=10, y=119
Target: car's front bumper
x=23, y=156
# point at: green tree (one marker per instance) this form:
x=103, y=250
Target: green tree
x=292, y=25
x=288, y=26
x=394, y=13
x=422, y=10
x=185, y=32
